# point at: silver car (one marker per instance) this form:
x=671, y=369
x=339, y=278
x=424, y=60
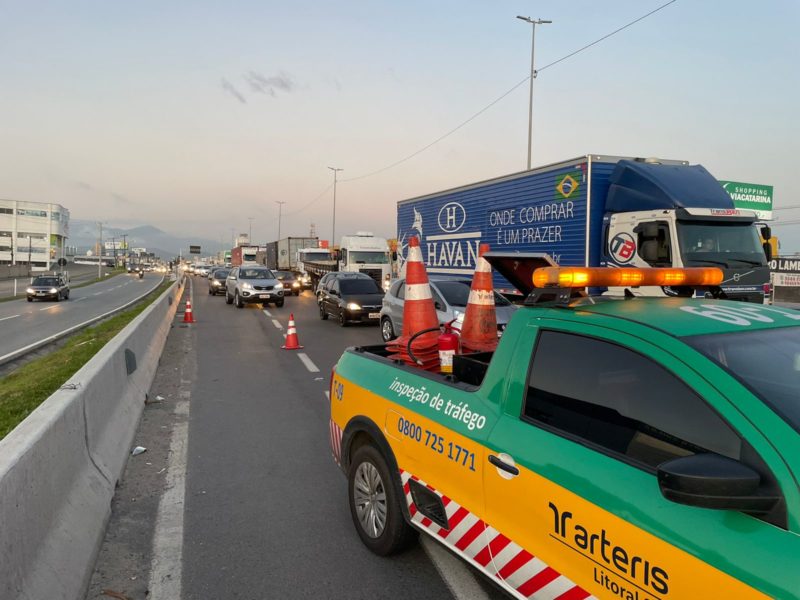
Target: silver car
x=248, y=285
x=450, y=299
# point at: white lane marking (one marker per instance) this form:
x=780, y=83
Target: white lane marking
x=327, y=394
x=277, y=324
x=266, y=312
x=454, y=572
x=97, y=293
x=167, y=561
x=307, y=362
x=49, y=307
x=7, y=318
x=79, y=299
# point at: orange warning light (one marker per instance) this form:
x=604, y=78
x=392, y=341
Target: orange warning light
x=579, y=277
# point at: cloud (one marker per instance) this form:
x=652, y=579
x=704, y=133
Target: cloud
x=228, y=87
x=261, y=84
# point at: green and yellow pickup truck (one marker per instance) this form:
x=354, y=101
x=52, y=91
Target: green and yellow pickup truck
x=636, y=448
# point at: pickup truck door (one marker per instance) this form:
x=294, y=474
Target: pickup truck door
x=588, y=414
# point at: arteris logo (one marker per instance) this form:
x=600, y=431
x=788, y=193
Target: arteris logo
x=595, y=545
x=567, y=186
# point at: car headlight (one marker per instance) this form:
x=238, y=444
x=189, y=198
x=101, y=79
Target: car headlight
x=278, y=286
x=246, y=286
x=353, y=306
x=215, y=282
x=53, y=291
x=295, y=284
x=29, y=290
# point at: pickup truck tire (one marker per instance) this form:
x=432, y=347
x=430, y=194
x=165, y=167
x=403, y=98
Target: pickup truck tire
x=237, y=300
x=228, y=299
x=374, y=504
x=322, y=314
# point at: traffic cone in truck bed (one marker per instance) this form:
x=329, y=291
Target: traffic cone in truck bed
x=419, y=314
x=292, y=342
x=479, y=331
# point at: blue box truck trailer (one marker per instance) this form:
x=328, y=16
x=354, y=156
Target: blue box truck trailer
x=594, y=210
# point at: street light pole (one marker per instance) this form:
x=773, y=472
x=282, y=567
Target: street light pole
x=333, y=226
x=533, y=23
x=100, y=252
x=250, y=234
x=280, y=209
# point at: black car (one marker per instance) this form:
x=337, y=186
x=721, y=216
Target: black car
x=351, y=299
x=216, y=282
x=325, y=281
x=291, y=285
x=48, y=287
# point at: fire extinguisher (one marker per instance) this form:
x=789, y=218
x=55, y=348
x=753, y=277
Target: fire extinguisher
x=449, y=345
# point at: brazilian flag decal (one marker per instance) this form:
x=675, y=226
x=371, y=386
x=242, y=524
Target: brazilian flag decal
x=567, y=185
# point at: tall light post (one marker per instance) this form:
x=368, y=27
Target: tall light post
x=333, y=226
x=250, y=235
x=533, y=23
x=100, y=251
x=280, y=204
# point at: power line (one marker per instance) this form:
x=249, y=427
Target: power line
x=605, y=37
x=321, y=194
x=495, y=101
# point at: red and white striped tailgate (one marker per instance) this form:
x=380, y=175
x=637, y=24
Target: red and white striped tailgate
x=470, y=537
x=336, y=441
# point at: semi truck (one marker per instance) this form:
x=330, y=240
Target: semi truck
x=282, y=255
x=362, y=252
x=244, y=255
x=594, y=210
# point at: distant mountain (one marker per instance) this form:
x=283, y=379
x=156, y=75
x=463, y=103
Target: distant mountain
x=83, y=234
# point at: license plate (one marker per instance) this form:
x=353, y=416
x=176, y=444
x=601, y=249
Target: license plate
x=374, y=315
x=263, y=295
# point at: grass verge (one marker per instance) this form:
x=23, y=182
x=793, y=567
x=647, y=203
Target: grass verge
x=111, y=273
x=27, y=387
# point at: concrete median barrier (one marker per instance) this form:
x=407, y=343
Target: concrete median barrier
x=59, y=467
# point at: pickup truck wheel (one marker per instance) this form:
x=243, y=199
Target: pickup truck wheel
x=322, y=314
x=387, y=330
x=237, y=300
x=228, y=299
x=374, y=504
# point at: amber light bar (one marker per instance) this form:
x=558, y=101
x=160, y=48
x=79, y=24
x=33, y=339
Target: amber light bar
x=579, y=277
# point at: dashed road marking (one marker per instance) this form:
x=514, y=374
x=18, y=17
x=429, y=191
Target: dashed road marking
x=308, y=362
x=49, y=307
x=277, y=324
x=266, y=312
x=97, y=293
x=79, y=299
x=7, y=318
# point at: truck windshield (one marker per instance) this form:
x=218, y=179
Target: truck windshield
x=733, y=245
x=766, y=361
x=372, y=258
x=313, y=256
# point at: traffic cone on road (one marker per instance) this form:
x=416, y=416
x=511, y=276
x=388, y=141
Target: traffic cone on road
x=188, y=317
x=292, y=343
x=479, y=331
x=419, y=314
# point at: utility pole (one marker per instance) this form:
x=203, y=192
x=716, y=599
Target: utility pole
x=333, y=226
x=533, y=76
x=250, y=235
x=124, y=237
x=100, y=251
x=280, y=209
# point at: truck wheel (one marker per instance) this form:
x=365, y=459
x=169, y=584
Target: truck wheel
x=387, y=330
x=375, y=505
x=237, y=300
x=228, y=299
x=322, y=314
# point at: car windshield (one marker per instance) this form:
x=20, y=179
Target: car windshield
x=766, y=361
x=375, y=258
x=456, y=293
x=221, y=273
x=359, y=286
x=45, y=281
x=734, y=245
x=281, y=275
x=255, y=274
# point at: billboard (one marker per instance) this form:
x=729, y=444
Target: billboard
x=750, y=196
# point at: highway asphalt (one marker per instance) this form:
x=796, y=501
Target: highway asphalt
x=237, y=495
x=23, y=323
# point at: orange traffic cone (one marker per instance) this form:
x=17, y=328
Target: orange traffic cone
x=419, y=314
x=292, y=343
x=187, y=314
x=479, y=331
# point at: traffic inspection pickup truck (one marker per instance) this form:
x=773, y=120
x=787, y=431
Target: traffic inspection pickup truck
x=639, y=448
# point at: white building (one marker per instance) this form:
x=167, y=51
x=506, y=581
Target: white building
x=32, y=233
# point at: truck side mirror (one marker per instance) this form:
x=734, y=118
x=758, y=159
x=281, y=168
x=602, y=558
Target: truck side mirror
x=394, y=256
x=766, y=232
x=768, y=250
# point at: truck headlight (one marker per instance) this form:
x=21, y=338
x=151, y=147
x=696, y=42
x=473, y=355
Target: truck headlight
x=353, y=306
x=295, y=284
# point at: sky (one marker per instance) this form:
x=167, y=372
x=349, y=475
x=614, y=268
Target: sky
x=199, y=117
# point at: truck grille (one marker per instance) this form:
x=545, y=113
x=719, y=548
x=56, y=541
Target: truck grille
x=374, y=273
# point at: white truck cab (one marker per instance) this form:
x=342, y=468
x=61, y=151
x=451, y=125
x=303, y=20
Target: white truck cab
x=365, y=253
